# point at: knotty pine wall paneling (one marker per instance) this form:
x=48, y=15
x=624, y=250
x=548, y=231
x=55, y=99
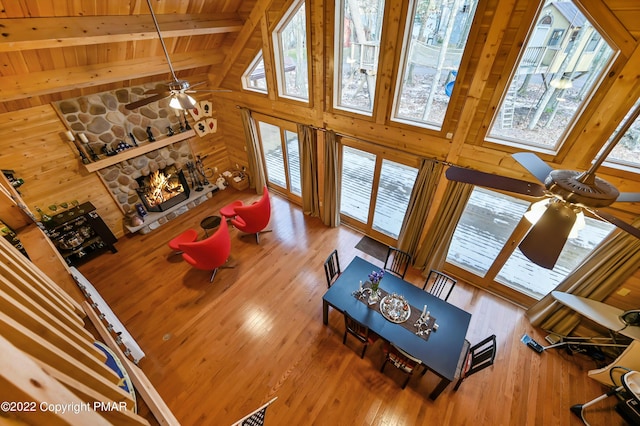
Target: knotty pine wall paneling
x=34, y=145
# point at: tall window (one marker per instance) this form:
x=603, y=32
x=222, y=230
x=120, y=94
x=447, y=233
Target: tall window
x=359, y=25
x=627, y=151
x=290, y=49
x=375, y=192
x=254, y=77
x=552, y=81
x=483, y=245
x=435, y=38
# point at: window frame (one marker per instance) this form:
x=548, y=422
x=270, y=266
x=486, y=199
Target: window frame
x=403, y=62
x=493, y=115
x=246, y=76
x=278, y=55
x=338, y=59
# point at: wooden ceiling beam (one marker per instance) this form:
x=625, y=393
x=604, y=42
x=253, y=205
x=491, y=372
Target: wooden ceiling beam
x=257, y=13
x=46, y=82
x=42, y=33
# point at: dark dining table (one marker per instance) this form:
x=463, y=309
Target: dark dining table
x=440, y=353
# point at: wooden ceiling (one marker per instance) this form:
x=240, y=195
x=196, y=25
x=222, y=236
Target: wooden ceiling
x=54, y=49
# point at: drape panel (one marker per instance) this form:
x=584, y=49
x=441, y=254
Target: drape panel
x=609, y=264
x=419, y=203
x=257, y=178
x=309, y=169
x=433, y=251
x=332, y=161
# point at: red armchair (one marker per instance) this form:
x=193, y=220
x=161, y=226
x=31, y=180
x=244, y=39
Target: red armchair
x=188, y=236
x=211, y=253
x=253, y=218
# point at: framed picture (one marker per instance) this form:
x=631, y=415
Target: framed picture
x=206, y=108
x=201, y=128
x=212, y=125
x=196, y=112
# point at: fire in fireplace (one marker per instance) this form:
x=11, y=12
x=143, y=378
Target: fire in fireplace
x=163, y=189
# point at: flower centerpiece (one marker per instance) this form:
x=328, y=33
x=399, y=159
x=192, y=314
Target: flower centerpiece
x=374, y=278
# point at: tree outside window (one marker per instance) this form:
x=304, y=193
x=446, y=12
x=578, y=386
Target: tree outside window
x=357, y=53
x=290, y=50
x=552, y=81
x=435, y=38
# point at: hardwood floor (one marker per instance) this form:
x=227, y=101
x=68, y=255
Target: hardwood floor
x=217, y=351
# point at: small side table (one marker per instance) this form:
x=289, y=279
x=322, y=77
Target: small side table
x=210, y=222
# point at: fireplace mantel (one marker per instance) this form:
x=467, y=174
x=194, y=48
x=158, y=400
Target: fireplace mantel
x=138, y=151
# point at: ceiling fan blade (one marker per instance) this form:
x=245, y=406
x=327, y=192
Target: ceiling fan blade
x=533, y=164
x=191, y=86
x=145, y=101
x=185, y=102
x=617, y=222
x=628, y=197
x=488, y=180
x=207, y=90
x=546, y=239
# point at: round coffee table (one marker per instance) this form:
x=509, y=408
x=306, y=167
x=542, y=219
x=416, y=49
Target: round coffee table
x=210, y=222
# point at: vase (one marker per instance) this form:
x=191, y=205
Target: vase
x=374, y=296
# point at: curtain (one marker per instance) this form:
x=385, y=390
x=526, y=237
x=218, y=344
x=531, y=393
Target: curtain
x=257, y=178
x=332, y=161
x=309, y=169
x=433, y=252
x=611, y=263
x=419, y=203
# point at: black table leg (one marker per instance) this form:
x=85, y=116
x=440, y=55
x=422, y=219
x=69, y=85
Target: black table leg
x=439, y=388
x=325, y=312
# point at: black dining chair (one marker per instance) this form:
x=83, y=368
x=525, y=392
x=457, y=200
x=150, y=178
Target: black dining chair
x=439, y=284
x=332, y=268
x=359, y=331
x=402, y=361
x=397, y=261
x=477, y=358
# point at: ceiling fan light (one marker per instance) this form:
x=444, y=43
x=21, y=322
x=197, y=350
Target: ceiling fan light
x=191, y=100
x=536, y=210
x=561, y=83
x=175, y=103
x=578, y=225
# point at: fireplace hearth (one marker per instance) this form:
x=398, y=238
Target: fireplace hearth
x=163, y=189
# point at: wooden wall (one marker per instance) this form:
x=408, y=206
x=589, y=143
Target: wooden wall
x=35, y=147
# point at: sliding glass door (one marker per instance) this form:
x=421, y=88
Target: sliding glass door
x=281, y=150
x=484, y=248
x=375, y=191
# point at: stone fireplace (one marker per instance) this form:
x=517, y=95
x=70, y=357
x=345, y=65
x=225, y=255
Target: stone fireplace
x=124, y=154
x=163, y=189
x=122, y=178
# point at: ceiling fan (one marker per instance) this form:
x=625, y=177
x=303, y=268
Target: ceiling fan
x=177, y=89
x=564, y=195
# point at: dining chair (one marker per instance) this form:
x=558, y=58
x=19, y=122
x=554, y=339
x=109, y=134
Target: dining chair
x=397, y=261
x=359, y=331
x=439, y=284
x=402, y=361
x=332, y=267
x=477, y=358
